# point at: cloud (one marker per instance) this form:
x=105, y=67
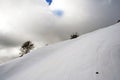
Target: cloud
x=35, y=20
x=22, y=21
x=9, y=41
x=86, y=15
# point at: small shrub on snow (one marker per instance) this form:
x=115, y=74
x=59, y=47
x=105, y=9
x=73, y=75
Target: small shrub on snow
x=75, y=35
x=26, y=47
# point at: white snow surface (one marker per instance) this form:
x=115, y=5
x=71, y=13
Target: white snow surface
x=77, y=59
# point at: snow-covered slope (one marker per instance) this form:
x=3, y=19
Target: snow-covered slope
x=78, y=59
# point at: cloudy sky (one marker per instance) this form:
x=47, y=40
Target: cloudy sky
x=44, y=23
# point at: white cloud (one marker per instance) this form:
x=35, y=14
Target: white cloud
x=33, y=19
x=86, y=15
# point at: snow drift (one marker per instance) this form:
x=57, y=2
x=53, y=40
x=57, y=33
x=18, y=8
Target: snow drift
x=78, y=59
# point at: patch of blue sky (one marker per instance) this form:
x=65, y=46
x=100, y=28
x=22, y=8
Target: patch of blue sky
x=49, y=2
x=58, y=12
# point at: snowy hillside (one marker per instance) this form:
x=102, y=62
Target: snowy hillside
x=94, y=56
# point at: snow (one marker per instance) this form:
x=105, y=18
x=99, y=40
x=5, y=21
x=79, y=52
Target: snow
x=77, y=59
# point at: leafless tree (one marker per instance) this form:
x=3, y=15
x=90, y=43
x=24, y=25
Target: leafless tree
x=26, y=47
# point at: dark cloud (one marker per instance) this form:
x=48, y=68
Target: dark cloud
x=33, y=20
x=9, y=40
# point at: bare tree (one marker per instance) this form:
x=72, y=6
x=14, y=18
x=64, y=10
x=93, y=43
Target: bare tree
x=26, y=47
x=75, y=35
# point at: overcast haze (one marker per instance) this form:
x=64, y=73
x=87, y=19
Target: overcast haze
x=35, y=20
